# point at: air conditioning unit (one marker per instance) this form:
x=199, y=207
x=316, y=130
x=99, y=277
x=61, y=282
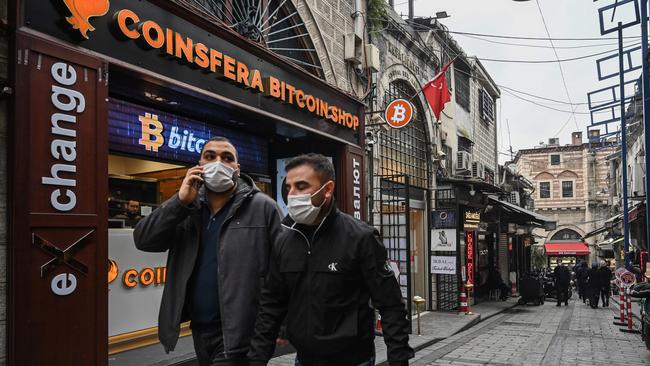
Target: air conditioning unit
x=554, y=141
x=478, y=170
x=463, y=162
x=514, y=198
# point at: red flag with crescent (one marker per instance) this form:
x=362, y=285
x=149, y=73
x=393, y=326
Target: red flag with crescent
x=437, y=92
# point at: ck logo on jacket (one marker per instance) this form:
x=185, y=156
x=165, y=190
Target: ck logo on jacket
x=332, y=266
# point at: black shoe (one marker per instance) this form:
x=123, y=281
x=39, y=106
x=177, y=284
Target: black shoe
x=558, y=304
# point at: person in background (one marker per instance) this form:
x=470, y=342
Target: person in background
x=594, y=285
x=218, y=229
x=562, y=281
x=325, y=270
x=606, y=283
x=496, y=283
x=132, y=214
x=581, y=277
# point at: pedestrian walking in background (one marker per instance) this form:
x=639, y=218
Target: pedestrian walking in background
x=562, y=276
x=325, y=269
x=581, y=280
x=594, y=285
x=606, y=283
x=218, y=230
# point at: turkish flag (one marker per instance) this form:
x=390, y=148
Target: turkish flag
x=437, y=93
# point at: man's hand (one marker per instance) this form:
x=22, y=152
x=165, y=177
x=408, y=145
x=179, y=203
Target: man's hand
x=281, y=342
x=190, y=186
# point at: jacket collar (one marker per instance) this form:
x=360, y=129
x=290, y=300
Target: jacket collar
x=246, y=188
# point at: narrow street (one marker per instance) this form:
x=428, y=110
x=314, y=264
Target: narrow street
x=542, y=335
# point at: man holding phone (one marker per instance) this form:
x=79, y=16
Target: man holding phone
x=219, y=231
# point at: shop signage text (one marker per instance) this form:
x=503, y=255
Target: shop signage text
x=145, y=277
x=469, y=242
x=63, y=147
x=356, y=187
x=151, y=34
x=472, y=219
x=443, y=265
x=138, y=130
x=443, y=219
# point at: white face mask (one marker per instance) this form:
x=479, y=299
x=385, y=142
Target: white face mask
x=302, y=210
x=219, y=177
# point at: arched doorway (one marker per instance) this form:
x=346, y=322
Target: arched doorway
x=401, y=182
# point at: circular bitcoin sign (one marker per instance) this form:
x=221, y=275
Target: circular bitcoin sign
x=398, y=113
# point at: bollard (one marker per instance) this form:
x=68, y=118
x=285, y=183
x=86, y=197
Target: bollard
x=621, y=305
x=469, y=287
x=418, y=301
x=628, y=301
x=463, y=301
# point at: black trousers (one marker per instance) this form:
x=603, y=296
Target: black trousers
x=605, y=293
x=562, y=294
x=208, y=345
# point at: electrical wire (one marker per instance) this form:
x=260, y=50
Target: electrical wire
x=541, y=46
x=559, y=64
x=552, y=61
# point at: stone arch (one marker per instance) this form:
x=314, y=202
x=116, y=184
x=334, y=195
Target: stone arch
x=570, y=227
x=544, y=176
x=567, y=174
x=307, y=16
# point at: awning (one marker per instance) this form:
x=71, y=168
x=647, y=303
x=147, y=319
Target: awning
x=567, y=248
x=526, y=215
x=595, y=232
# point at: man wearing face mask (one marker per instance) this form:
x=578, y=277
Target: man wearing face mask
x=324, y=270
x=219, y=230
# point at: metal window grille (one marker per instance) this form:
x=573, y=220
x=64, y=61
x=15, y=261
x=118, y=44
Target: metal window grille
x=404, y=151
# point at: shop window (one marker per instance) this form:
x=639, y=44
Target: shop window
x=567, y=189
x=545, y=190
x=555, y=159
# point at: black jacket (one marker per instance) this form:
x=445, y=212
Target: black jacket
x=605, y=278
x=250, y=228
x=324, y=286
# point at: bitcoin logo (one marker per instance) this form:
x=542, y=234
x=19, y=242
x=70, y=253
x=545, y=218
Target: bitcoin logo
x=399, y=113
x=152, y=130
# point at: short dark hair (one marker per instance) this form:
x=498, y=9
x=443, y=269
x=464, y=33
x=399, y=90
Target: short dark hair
x=221, y=139
x=321, y=165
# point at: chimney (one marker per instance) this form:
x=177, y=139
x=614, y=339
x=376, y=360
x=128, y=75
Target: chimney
x=576, y=138
x=411, y=11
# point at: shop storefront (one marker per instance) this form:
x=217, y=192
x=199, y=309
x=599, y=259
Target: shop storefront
x=113, y=106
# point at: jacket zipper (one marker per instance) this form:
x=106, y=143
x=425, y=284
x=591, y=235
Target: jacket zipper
x=225, y=221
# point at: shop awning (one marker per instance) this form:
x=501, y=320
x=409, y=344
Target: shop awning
x=567, y=248
x=595, y=232
x=527, y=215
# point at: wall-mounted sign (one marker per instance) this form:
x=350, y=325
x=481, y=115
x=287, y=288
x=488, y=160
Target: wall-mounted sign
x=443, y=240
x=59, y=223
x=398, y=113
x=443, y=219
x=443, y=265
x=153, y=133
x=470, y=244
x=159, y=39
x=472, y=219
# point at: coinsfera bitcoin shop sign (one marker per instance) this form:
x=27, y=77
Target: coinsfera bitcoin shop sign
x=153, y=37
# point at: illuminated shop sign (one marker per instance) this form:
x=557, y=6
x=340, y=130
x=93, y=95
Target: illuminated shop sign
x=155, y=36
x=470, y=242
x=472, y=219
x=149, y=132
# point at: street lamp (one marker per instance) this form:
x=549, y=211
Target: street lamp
x=439, y=15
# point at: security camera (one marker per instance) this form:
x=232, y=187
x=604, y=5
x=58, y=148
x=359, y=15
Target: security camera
x=441, y=154
x=370, y=138
x=358, y=68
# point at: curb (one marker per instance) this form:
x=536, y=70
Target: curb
x=469, y=325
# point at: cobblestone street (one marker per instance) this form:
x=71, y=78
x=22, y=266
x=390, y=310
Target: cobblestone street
x=542, y=335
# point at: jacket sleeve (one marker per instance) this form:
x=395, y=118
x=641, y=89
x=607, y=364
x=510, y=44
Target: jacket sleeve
x=273, y=309
x=387, y=297
x=157, y=231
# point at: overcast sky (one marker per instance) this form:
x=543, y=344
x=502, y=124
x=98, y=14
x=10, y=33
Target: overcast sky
x=531, y=124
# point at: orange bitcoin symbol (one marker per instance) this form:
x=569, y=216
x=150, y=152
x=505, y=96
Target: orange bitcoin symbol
x=399, y=113
x=151, y=128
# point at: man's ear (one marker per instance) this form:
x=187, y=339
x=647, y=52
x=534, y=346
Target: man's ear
x=329, y=190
